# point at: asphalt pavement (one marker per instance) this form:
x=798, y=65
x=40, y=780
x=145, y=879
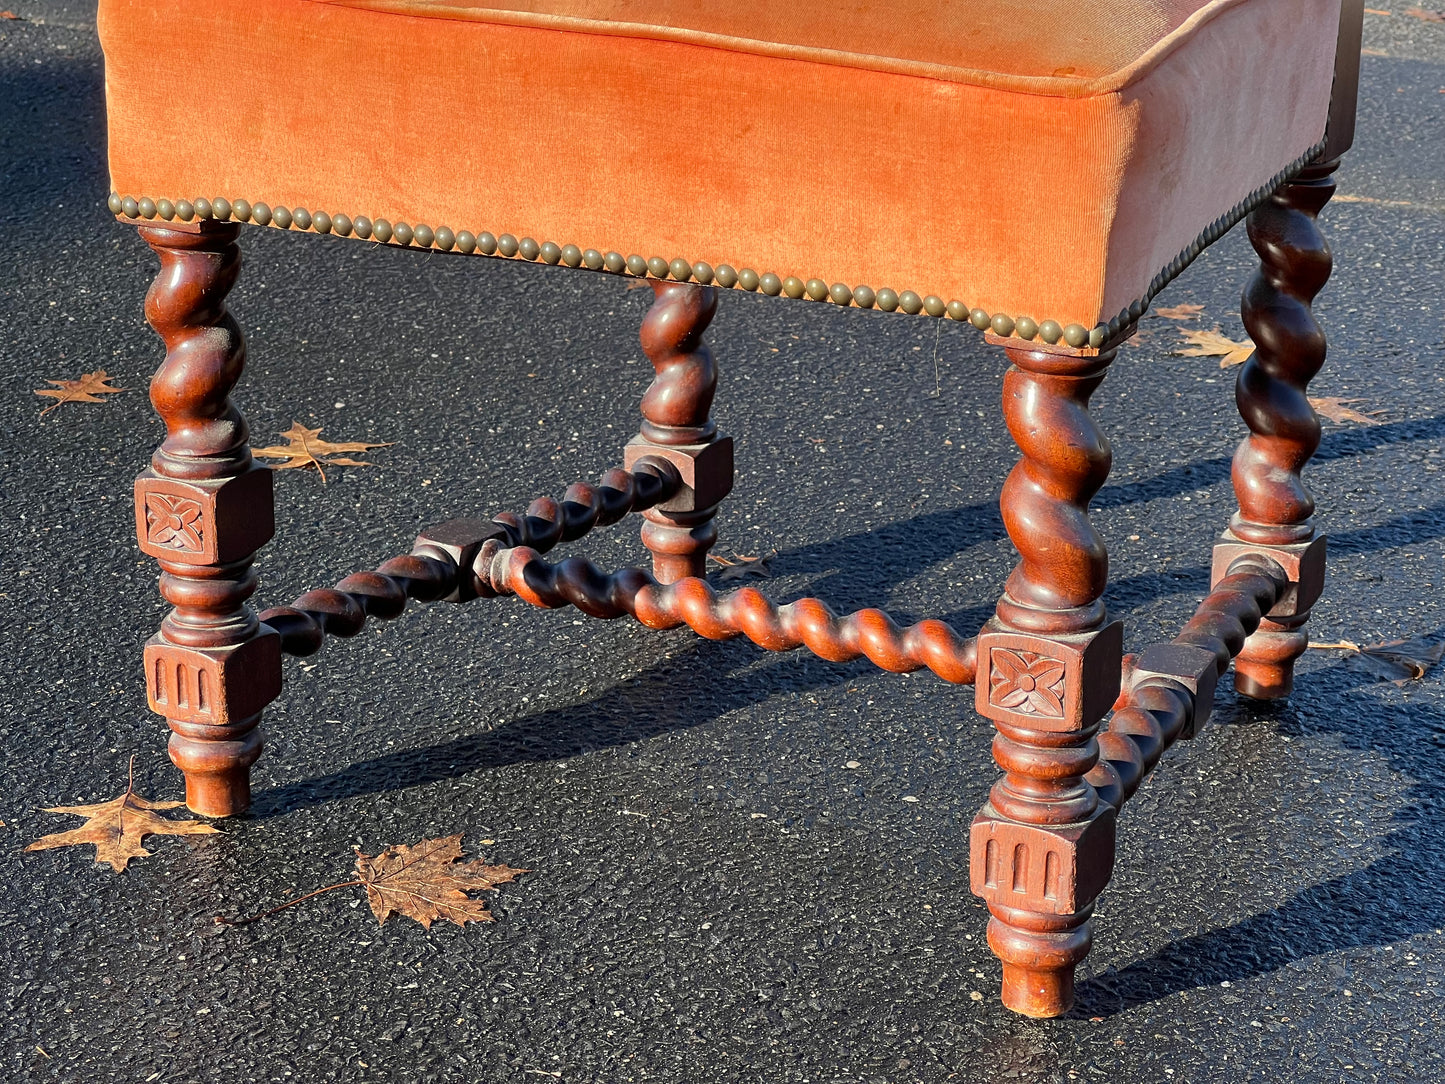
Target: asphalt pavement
x=716, y=895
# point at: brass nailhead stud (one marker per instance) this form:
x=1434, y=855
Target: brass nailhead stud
x=1097, y=337
x=1002, y=324
x=887, y=299
x=934, y=306
x=261, y=214
x=147, y=207
x=361, y=226
x=840, y=293
x=793, y=286
x=507, y=245
x=770, y=284
x=381, y=230
x=221, y=210
x=980, y=319
x=636, y=265
x=280, y=217
x=1136, y=309
x=1076, y=335
x=129, y=207
x=185, y=210
x=341, y=225
x=1025, y=328
x=657, y=267
x=115, y=203
x=614, y=262
x=551, y=253
x=592, y=260
x=748, y=279
x=571, y=255
x=726, y=277
x=817, y=289
x=241, y=210
x=488, y=244
x=864, y=297
x=957, y=310
x=422, y=234
x=301, y=216
x=528, y=249
x=402, y=233
x=910, y=302
x=445, y=239
x=1051, y=332
x=466, y=242
x=702, y=272
x=680, y=269
x=166, y=209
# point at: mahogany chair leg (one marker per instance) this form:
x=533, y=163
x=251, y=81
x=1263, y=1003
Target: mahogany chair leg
x=676, y=426
x=1042, y=848
x=202, y=511
x=1275, y=507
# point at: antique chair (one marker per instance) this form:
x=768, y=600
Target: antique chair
x=1037, y=168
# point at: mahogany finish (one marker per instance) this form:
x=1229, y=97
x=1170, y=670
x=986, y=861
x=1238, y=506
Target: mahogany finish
x=1042, y=849
x=1275, y=506
x=677, y=427
x=202, y=511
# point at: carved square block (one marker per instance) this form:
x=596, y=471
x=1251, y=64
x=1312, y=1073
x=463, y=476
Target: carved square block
x=204, y=523
x=1055, y=683
x=1053, y=870
x=1193, y=667
x=463, y=540
x=1303, y=563
x=706, y=469
x=213, y=685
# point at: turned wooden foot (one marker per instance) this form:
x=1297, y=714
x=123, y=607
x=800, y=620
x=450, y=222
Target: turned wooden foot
x=1275, y=506
x=1042, y=849
x=676, y=427
x=202, y=511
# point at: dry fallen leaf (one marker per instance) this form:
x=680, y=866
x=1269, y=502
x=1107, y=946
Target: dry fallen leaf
x=739, y=567
x=87, y=389
x=1396, y=661
x=425, y=882
x=117, y=827
x=1212, y=344
x=1339, y=410
x=1180, y=312
x=304, y=448
x=1427, y=16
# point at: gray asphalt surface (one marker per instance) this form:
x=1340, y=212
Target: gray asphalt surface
x=716, y=897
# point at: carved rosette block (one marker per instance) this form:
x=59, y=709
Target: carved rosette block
x=1063, y=683
x=677, y=427
x=202, y=510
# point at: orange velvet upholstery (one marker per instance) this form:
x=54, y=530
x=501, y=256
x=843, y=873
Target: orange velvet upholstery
x=1040, y=158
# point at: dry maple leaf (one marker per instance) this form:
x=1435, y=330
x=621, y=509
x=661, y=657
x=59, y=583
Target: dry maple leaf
x=305, y=448
x=117, y=827
x=1180, y=312
x=1339, y=410
x=1212, y=344
x=88, y=389
x=1395, y=661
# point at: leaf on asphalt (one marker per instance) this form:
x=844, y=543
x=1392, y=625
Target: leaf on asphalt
x=88, y=389
x=1339, y=410
x=1395, y=661
x=1427, y=16
x=429, y=881
x=118, y=827
x=1212, y=344
x=1180, y=312
x=739, y=567
x=305, y=448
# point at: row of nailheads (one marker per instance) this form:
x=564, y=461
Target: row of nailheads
x=1001, y=324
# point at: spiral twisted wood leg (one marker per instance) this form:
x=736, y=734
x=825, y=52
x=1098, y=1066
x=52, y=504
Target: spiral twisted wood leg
x=1042, y=849
x=1275, y=507
x=202, y=511
x=676, y=427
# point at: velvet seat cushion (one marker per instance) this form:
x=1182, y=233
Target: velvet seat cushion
x=1047, y=159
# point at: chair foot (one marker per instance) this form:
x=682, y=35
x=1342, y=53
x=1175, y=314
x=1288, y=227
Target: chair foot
x=1039, y=955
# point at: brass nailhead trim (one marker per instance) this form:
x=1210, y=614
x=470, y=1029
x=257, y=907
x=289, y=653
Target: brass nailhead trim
x=658, y=267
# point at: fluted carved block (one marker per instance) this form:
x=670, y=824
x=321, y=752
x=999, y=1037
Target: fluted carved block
x=1054, y=870
x=1057, y=683
x=204, y=522
x=217, y=686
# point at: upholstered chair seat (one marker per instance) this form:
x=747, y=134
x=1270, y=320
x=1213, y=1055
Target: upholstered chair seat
x=1055, y=160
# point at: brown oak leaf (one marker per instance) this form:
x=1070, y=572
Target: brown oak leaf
x=1180, y=312
x=1212, y=344
x=739, y=567
x=1339, y=410
x=1395, y=661
x=305, y=448
x=88, y=389
x=117, y=828
x=429, y=882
